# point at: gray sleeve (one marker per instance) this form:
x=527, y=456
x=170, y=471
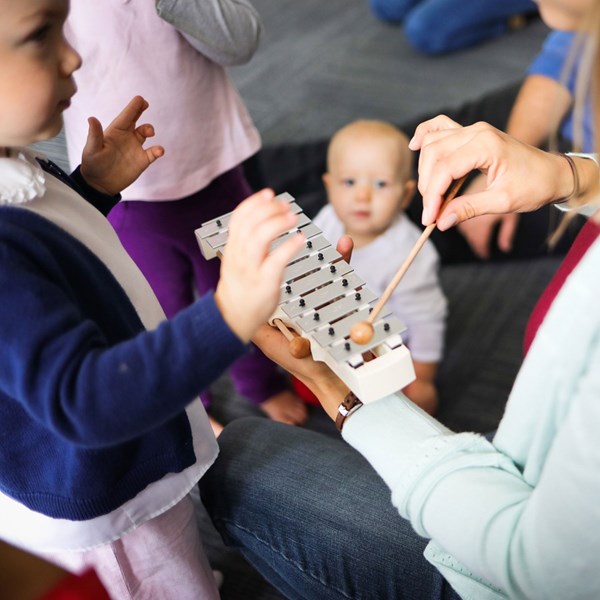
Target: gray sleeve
x=225, y=31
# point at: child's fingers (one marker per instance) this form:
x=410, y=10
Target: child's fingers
x=250, y=208
x=508, y=229
x=145, y=131
x=261, y=236
x=95, y=137
x=257, y=221
x=154, y=152
x=274, y=264
x=345, y=246
x=128, y=117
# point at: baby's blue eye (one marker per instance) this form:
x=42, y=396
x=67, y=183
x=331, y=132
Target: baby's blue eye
x=348, y=182
x=379, y=184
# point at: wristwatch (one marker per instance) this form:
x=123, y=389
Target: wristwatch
x=350, y=404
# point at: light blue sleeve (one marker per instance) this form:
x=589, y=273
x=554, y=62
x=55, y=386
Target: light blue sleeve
x=519, y=514
x=553, y=56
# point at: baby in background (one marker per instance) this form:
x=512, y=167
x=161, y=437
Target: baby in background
x=369, y=185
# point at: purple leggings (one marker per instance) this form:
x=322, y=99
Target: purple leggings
x=159, y=236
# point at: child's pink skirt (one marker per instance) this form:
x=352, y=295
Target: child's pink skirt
x=163, y=558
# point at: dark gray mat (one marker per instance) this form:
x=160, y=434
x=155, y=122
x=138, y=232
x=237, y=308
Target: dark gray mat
x=322, y=64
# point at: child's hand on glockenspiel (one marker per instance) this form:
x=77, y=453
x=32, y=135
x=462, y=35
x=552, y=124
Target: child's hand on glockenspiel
x=251, y=275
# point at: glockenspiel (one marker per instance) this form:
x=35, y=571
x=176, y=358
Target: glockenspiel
x=321, y=298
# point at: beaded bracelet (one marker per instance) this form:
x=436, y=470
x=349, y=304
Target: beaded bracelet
x=576, y=184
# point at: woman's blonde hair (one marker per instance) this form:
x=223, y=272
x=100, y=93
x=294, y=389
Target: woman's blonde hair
x=585, y=57
x=584, y=62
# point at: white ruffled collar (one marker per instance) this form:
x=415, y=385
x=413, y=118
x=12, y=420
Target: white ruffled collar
x=21, y=178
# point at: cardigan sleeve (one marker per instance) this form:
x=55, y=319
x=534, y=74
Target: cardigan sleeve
x=92, y=374
x=103, y=202
x=225, y=31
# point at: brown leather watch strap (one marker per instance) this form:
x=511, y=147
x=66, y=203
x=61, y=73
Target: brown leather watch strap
x=349, y=405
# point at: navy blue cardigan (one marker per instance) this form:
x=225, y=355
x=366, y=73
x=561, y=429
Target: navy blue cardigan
x=91, y=404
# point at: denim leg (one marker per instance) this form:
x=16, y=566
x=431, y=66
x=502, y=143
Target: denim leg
x=312, y=516
x=438, y=26
x=393, y=11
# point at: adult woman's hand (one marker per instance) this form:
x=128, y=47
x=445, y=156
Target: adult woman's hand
x=519, y=177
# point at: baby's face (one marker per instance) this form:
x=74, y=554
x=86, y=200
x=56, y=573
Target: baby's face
x=365, y=186
x=36, y=68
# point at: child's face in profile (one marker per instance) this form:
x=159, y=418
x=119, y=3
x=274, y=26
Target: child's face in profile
x=366, y=185
x=36, y=68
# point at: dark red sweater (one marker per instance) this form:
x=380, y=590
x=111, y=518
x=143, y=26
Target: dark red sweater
x=583, y=241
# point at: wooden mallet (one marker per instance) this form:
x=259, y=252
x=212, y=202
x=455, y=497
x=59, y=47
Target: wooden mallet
x=362, y=332
x=299, y=346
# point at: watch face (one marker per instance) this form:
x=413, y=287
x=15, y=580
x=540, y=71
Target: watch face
x=349, y=404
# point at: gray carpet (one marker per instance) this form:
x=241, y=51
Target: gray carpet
x=322, y=64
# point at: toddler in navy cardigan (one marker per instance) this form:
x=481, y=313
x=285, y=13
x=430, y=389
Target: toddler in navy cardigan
x=102, y=435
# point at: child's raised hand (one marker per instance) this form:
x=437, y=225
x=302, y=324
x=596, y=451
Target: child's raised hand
x=114, y=158
x=251, y=275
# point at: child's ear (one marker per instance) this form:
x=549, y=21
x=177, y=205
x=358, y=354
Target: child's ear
x=409, y=193
x=326, y=177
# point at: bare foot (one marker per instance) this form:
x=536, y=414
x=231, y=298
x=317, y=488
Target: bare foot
x=286, y=407
x=216, y=427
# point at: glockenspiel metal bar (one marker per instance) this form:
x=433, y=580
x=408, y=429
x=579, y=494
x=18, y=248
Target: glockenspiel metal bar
x=316, y=260
x=311, y=282
x=320, y=245
x=344, y=350
x=335, y=310
x=342, y=327
x=314, y=241
x=320, y=296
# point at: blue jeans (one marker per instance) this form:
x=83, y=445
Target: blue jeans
x=438, y=26
x=311, y=515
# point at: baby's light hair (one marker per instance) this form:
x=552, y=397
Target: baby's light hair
x=374, y=129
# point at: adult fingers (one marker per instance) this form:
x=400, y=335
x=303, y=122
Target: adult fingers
x=437, y=124
x=470, y=206
x=448, y=159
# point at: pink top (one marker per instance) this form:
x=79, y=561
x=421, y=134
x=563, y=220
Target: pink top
x=199, y=118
